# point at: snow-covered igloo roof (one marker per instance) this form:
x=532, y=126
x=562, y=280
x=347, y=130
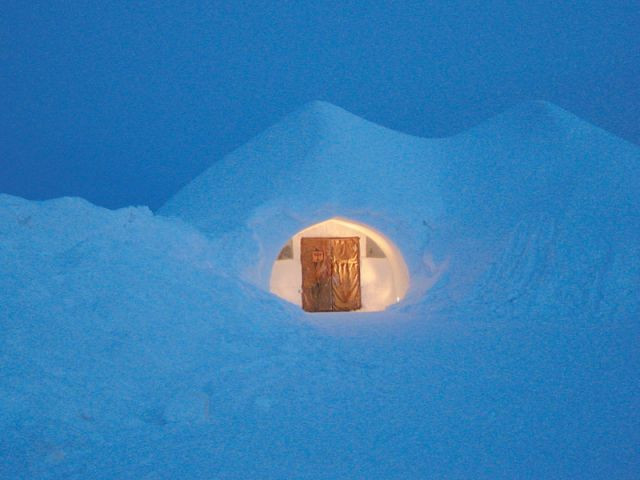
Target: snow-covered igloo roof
x=318, y=163
x=435, y=199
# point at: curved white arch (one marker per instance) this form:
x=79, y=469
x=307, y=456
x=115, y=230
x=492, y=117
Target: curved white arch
x=384, y=281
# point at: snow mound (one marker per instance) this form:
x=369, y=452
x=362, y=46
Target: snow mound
x=117, y=320
x=131, y=346
x=303, y=158
x=533, y=174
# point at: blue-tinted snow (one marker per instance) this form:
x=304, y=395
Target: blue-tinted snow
x=129, y=349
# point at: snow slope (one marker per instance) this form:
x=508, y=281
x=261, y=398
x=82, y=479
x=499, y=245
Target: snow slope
x=553, y=204
x=557, y=193
x=129, y=347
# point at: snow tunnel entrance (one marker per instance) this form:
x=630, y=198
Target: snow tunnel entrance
x=330, y=274
x=340, y=265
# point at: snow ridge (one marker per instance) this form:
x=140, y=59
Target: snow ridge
x=131, y=347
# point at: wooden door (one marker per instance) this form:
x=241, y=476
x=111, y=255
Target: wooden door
x=315, y=255
x=330, y=274
x=345, y=274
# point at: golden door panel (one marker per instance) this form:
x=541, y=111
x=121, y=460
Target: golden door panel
x=330, y=274
x=345, y=273
x=315, y=255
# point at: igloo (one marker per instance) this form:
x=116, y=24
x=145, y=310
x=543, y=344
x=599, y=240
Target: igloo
x=328, y=180
x=340, y=265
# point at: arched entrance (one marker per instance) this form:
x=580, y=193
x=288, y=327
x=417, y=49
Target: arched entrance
x=340, y=265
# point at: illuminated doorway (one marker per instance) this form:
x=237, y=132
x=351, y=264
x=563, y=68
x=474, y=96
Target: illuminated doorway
x=383, y=274
x=330, y=274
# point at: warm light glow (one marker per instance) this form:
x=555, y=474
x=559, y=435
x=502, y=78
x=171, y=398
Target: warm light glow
x=384, y=281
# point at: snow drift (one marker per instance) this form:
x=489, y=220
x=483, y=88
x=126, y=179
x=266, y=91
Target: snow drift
x=135, y=345
x=536, y=175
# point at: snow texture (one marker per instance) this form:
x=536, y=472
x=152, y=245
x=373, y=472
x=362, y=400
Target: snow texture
x=142, y=346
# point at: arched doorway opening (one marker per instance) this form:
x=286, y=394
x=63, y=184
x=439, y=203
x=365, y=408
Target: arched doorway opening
x=340, y=265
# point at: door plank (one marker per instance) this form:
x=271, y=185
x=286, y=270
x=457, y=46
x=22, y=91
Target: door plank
x=345, y=273
x=315, y=256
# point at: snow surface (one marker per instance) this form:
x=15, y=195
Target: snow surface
x=446, y=203
x=132, y=347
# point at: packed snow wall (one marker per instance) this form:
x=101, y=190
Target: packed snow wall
x=384, y=278
x=318, y=163
x=535, y=176
x=130, y=347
